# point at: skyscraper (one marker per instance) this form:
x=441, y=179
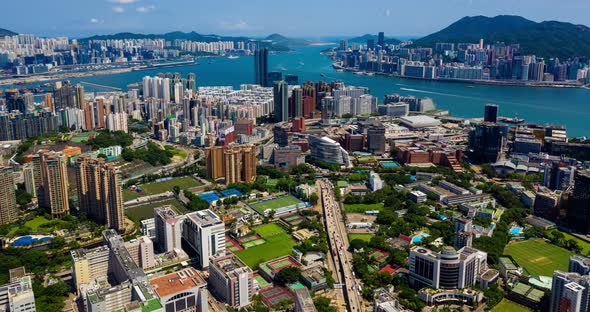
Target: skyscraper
x=261, y=66
x=376, y=139
x=231, y=280
x=80, y=96
x=569, y=292
x=381, y=39
x=578, y=214
x=487, y=141
x=273, y=76
x=297, y=99
x=281, y=101
x=168, y=225
x=99, y=192
x=491, y=113
x=54, y=177
x=8, y=210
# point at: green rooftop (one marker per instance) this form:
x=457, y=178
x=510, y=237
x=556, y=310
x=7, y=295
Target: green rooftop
x=151, y=305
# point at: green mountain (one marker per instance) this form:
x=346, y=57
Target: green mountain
x=547, y=39
x=194, y=36
x=6, y=32
x=278, y=39
x=363, y=39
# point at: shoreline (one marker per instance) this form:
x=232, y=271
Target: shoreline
x=470, y=81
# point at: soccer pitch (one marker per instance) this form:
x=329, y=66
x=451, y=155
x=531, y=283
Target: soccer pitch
x=538, y=256
x=275, y=204
x=267, y=230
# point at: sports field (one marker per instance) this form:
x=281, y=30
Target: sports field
x=538, y=256
x=161, y=187
x=509, y=306
x=274, y=204
x=146, y=211
x=584, y=244
x=365, y=237
x=276, y=246
x=267, y=230
x=360, y=208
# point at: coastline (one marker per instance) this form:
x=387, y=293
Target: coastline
x=476, y=82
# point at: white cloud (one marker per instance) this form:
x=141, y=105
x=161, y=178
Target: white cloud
x=146, y=9
x=118, y=9
x=94, y=20
x=241, y=25
x=387, y=12
x=123, y=1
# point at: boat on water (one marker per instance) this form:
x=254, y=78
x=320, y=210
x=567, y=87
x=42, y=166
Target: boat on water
x=233, y=57
x=370, y=74
x=322, y=74
x=340, y=70
x=359, y=73
x=301, y=63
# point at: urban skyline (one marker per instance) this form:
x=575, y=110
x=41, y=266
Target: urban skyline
x=252, y=19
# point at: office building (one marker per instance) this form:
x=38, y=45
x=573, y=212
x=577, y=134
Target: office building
x=168, y=228
x=231, y=281
x=328, y=150
x=8, y=209
x=381, y=39
x=487, y=142
x=375, y=181
x=114, y=298
x=141, y=250
x=261, y=67
x=54, y=177
x=288, y=156
x=303, y=301
x=491, y=113
x=569, y=292
x=451, y=269
x=558, y=177
x=579, y=264
x=578, y=214
x=205, y=234
x=281, y=101
x=90, y=264
x=292, y=80
x=99, y=192
x=17, y=295
x=281, y=134
x=181, y=291
x=376, y=139
x=236, y=163
x=273, y=77
x=546, y=205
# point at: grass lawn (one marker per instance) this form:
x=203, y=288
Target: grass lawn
x=276, y=246
x=161, y=187
x=360, y=208
x=146, y=211
x=365, y=237
x=267, y=230
x=538, y=256
x=509, y=306
x=275, y=203
x=39, y=224
x=585, y=245
x=79, y=137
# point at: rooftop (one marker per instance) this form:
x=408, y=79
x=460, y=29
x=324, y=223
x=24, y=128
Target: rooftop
x=177, y=282
x=204, y=218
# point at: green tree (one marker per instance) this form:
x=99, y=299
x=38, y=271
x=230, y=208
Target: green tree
x=288, y=275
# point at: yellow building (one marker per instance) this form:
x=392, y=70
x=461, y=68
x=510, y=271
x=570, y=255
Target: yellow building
x=236, y=163
x=8, y=210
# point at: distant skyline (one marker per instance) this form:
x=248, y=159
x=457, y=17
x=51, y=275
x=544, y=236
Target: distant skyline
x=303, y=18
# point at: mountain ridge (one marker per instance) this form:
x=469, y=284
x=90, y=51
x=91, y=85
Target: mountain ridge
x=6, y=32
x=547, y=38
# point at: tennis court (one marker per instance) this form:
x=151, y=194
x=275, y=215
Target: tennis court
x=261, y=281
x=231, y=244
x=231, y=192
x=209, y=196
x=254, y=243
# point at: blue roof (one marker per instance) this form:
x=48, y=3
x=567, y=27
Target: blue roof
x=209, y=196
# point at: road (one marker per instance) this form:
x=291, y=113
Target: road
x=338, y=243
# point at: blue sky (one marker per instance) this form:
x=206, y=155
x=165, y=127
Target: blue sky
x=297, y=18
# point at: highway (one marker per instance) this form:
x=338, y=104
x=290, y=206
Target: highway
x=338, y=242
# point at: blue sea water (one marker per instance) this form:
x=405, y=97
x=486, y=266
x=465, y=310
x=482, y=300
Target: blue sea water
x=570, y=107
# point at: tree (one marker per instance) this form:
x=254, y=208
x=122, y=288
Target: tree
x=357, y=244
x=322, y=304
x=313, y=199
x=288, y=275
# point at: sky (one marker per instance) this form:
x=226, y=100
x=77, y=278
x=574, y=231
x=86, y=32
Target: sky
x=311, y=19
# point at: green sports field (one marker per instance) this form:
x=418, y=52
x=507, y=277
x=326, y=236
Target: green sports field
x=161, y=187
x=509, y=306
x=275, y=203
x=146, y=211
x=267, y=230
x=538, y=256
x=584, y=244
x=276, y=246
x=365, y=237
x=361, y=208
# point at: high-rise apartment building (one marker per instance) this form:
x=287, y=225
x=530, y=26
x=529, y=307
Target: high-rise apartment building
x=234, y=163
x=89, y=264
x=569, y=292
x=168, y=226
x=261, y=67
x=17, y=295
x=141, y=250
x=8, y=210
x=281, y=100
x=99, y=192
x=54, y=177
x=231, y=280
x=205, y=233
x=579, y=264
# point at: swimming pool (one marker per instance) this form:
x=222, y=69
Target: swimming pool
x=515, y=231
x=389, y=164
x=418, y=238
x=30, y=240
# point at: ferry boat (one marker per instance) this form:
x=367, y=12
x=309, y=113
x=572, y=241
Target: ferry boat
x=233, y=57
